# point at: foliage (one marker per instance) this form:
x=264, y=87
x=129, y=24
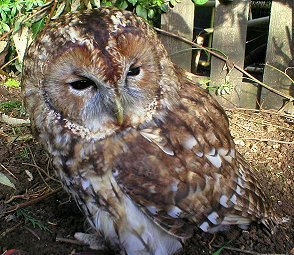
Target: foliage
x=218, y=252
x=146, y=9
x=12, y=108
x=13, y=83
x=16, y=15
x=200, y=2
x=13, y=11
x=10, y=105
x=24, y=19
x=24, y=154
x=23, y=214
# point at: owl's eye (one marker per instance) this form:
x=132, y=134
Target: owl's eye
x=82, y=84
x=133, y=71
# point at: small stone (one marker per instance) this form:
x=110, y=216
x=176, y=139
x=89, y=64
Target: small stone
x=239, y=142
x=276, y=146
x=254, y=148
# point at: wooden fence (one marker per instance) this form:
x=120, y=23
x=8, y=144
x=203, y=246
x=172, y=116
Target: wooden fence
x=229, y=36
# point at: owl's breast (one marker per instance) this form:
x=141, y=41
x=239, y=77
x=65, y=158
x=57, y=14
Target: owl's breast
x=92, y=182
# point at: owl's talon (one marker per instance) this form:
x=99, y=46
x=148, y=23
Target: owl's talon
x=94, y=241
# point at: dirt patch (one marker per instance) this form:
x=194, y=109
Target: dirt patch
x=264, y=138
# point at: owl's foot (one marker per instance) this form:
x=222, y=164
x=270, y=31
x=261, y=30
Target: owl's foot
x=95, y=241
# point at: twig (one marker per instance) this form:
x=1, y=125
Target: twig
x=189, y=42
x=284, y=106
x=245, y=251
x=43, y=171
x=7, y=231
x=6, y=64
x=38, y=169
x=262, y=123
x=8, y=171
x=211, y=241
x=51, y=12
x=278, y=70
x=271, y=111
x=32, y=232
x=27, y=196
x=289, y=67
x=66, y=240
x=24, y=196
x=212, y=52
x=31, y=202
x=264, y=140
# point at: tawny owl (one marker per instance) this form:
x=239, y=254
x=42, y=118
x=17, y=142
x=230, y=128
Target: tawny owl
x=146, y=153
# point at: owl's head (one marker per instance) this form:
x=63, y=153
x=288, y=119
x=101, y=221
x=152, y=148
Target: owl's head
x=99, y=69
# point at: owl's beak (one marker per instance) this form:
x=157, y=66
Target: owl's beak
x=119, y=111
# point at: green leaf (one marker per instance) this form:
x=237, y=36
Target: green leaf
x=200, y=2
x=3, y=16
x=5, y=181
x=18, y=66
x=107, y=3
x=151, y=13
x=133, y=2
x=37, y=27
x=204, y=81
x=141, y=11
x=6, y=8
x=12, y=83
x=18, y=6
x=218, y=252
x=5, y=27
x=122, y=5
x=164, y=8
x=18, y=23
x=23, y=213
x=13, y=11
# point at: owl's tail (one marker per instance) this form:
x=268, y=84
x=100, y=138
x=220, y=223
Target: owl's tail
x=256, y=202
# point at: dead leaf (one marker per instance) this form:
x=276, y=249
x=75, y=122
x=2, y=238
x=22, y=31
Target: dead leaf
x=21, y=40
x=59, y=11
x=5, y=181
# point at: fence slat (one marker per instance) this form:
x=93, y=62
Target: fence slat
x=230, y=27
x=179, y=20
x=280, y=54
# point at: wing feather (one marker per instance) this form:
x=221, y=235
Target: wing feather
x=183, y=169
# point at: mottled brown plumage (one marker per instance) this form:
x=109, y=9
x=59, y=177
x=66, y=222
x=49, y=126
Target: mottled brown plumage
x=146, y=153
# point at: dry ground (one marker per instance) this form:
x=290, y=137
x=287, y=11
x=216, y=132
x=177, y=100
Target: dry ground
x=48, y=214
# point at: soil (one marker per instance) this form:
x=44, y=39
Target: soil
x=48, y=219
